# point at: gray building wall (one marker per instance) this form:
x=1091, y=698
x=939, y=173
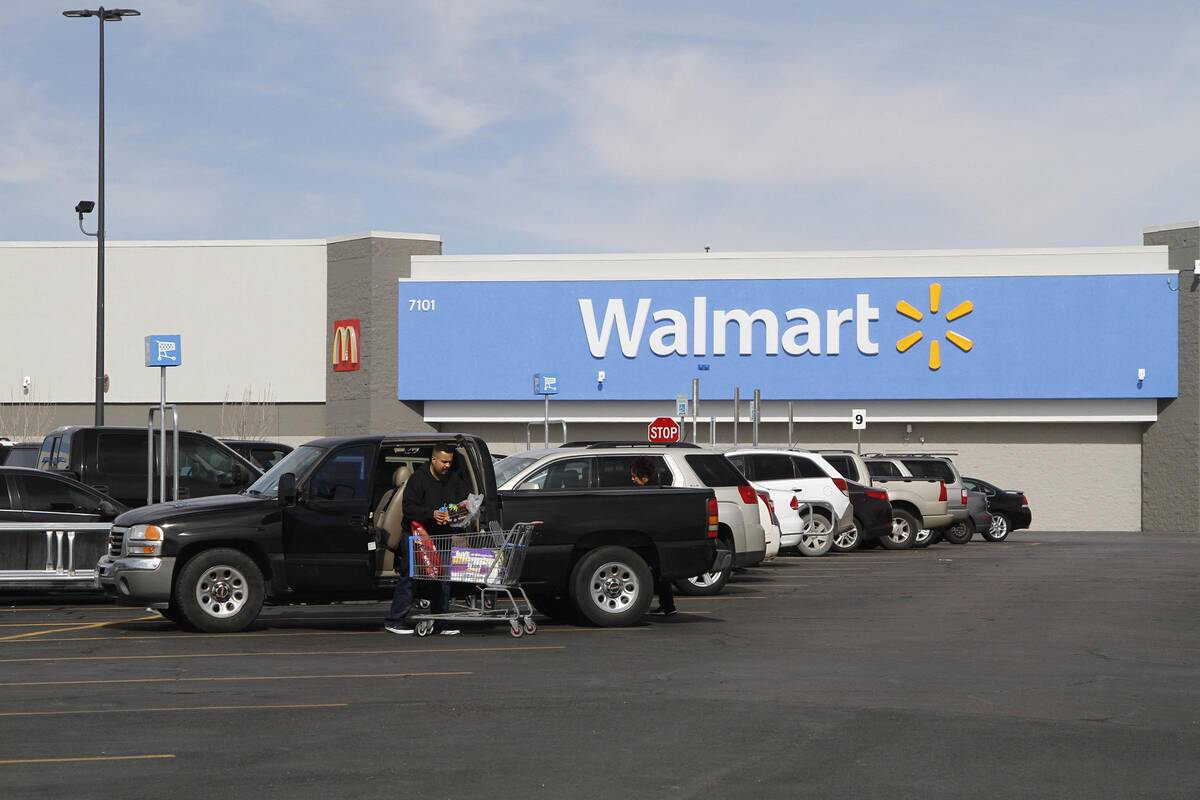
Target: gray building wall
x=362, y=284
x=1171, y=446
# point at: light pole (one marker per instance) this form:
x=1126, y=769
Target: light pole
x=103, y=15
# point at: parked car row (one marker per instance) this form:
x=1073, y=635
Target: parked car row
x=276, y=526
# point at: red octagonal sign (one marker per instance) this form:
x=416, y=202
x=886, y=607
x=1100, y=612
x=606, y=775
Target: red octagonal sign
x=662, y=430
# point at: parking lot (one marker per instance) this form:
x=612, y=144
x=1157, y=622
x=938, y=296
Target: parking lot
x=1054, y=665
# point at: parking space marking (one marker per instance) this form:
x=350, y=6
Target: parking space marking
x=236, y=678
x=71, y=629
x=724, y=597
x=172, y=709
x=306, y=653
x=76, y=759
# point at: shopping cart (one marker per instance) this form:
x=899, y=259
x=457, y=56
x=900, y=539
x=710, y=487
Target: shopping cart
x=491, y=561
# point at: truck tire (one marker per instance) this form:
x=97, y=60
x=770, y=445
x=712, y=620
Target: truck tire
x=559, y=609
x=999, y=530
x=961, y=533
x=904, y=531
x=612, y=586
x=848, y=541
x=219, y=591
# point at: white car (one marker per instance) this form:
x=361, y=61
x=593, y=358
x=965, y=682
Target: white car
x=812, y=500
x=770, y=523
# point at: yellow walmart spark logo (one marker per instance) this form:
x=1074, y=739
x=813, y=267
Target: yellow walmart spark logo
x=935, y=346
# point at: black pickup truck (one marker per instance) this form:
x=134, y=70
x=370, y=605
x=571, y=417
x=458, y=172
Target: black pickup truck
x=306, y=532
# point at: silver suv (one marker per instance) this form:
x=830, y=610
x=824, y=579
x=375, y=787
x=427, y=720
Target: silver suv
x=605, y=464
x=934, y=467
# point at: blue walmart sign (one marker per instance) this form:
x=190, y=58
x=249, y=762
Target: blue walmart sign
x=817, y=339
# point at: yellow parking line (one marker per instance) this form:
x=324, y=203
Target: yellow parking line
x=233, y=679
x=79, y=712
x=307, y=653
x=83, y=627
x=75, y=759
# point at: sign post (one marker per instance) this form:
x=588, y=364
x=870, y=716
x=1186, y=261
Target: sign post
x=858, y=421
x=681, y=410
x=545, y=384
x=663, y=430
x=162, y=351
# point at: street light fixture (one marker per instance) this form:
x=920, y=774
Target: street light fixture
x=103, y=15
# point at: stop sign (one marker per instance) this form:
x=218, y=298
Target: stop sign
x=663, y=430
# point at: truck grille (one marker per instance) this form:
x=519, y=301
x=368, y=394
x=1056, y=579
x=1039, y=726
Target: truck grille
x=116, y=540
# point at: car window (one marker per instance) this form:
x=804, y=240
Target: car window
x=714, y=470
x=739, y=462
x=203, y=461
x=771, y=467
x=267, y=457
x=296, y=462
x=845, y=466
x=971, y=486
x=120, y=453
x=345, y=476
x=46, y=454
x=571, y=473
x=508, y=468
x=44, y=493
x=20, y=456
x=807, y=468
x=614, y=472
x=883, y=469
x=7, y=504
x=929, y=468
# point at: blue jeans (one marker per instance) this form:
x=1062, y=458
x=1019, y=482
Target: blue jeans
x=402, y=597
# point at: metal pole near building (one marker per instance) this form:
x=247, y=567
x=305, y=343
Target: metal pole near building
x=546, y=424
x=695, y=408
x=757, y=412
x=162, y=449
x=791, y=424
x=737, y=413
x=712, y=431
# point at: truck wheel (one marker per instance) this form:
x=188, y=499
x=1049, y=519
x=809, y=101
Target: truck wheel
x=961, y=533
x=904, y=531
x=846, y=541
x=559, y=609
x=219, y=591
x=612, y=586
x=999, y=530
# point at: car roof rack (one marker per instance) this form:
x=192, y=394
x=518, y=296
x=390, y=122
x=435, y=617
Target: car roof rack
x=838, y=450
x=613, y=444
x=934, y=453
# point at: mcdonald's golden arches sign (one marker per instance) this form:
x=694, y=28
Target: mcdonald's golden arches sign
x=347, y=345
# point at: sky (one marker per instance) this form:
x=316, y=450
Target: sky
x=605, y=126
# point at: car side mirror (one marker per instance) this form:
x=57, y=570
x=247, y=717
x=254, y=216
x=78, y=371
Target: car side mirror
x=287, y=489
x=107, y=510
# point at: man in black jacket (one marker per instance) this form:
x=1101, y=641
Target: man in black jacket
x=426, y=496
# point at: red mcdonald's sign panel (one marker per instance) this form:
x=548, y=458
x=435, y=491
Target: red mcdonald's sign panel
x=347, y=345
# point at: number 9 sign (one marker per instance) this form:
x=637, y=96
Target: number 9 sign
x=858, y=419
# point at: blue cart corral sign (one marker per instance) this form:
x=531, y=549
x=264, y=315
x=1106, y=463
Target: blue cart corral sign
x=545, y=383
x=164, y=350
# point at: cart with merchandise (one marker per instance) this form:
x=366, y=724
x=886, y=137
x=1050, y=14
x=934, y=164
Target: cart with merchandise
x=490, y=561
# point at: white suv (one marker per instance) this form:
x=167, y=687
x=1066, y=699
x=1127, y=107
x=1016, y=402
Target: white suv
x=811, y=499
x=608, y=465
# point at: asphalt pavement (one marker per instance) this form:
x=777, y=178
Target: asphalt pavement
x=1050, y=666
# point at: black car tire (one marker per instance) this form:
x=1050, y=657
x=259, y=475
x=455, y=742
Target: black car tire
x=868, y=544
x=851, y=540
x=219, y=591
x=961, y=533
x=612, y=586
x=904, y=531
x=1001, y=528
x=173, y=614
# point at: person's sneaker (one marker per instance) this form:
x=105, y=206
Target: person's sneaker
x=666, y=612
x=448, y=632
x=399, y=630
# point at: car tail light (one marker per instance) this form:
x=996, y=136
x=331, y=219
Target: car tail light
x=714, y=518
x=770, y=504
x=876, y=494
x=795, y=504
x=842, y=486
x=1024, y=501
x=748, y=495
x=964, y=497
x=942, y=492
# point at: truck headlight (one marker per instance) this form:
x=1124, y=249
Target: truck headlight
x=144, y=540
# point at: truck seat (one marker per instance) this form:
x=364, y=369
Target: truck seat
x=389, y=514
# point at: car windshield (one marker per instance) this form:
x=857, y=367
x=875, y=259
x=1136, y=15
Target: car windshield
x=507, y=468
x=297, y=462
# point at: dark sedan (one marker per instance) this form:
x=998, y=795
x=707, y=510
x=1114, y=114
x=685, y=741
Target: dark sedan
x=1009, y=508
x=53, y=530
x=872, y=518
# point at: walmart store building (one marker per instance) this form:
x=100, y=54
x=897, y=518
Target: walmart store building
x=1068, y=373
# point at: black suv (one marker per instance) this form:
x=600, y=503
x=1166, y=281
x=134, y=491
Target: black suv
x=113, y=461
x=263, y=454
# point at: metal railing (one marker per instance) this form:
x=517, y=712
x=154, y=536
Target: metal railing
x=529, y=432
x=60, y=560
